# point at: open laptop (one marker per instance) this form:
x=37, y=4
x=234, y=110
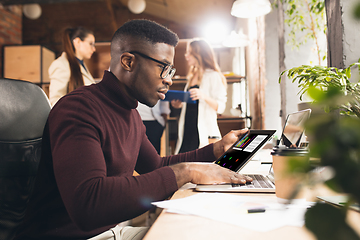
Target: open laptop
x=246, y=147
x=293, y=132
x=236, y=157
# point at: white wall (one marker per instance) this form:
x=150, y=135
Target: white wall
x=351, y=36
x=272, y=89
x=293, y=58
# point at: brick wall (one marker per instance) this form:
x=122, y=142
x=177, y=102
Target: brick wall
x=10, y=28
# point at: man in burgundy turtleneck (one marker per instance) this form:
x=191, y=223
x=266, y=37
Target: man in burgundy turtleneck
x=94, y=139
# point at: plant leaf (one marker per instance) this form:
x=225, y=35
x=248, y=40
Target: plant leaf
x=328, y=223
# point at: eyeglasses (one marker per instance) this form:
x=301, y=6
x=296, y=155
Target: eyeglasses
x=167, y=69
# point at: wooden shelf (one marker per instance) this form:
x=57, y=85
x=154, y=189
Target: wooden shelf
x=28, y=62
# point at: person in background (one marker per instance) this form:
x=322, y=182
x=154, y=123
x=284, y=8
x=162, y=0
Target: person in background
x=207, y=85
x=68, y=72
x=94, y=139
x=154, y=120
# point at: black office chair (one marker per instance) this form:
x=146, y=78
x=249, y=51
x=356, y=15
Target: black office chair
x=24, y=108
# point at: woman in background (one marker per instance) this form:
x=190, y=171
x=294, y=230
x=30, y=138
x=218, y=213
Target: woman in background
x=207, y=86
x=69, y=72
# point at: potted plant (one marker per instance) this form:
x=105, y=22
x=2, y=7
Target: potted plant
x=326, y=78
x=334, y=132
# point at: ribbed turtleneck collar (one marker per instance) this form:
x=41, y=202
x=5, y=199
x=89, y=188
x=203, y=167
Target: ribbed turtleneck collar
x=112, y=88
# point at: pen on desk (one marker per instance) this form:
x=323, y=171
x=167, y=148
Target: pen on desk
x=256, y=210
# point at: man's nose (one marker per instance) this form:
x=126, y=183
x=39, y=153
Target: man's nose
x=168, y=81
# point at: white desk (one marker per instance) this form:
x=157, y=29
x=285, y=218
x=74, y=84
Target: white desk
x=187, y=227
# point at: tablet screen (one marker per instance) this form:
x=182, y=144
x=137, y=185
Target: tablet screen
x=244, y=149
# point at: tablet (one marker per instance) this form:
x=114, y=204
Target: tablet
x=236, y=157
x=178, y=95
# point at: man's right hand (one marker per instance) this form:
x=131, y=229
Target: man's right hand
x=206, y=173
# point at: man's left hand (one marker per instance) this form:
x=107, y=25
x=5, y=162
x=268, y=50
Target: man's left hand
x=227, y=141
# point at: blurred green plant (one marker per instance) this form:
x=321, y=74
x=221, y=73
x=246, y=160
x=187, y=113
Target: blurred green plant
x=334, y=132
x=357, y=11
x=335, y=139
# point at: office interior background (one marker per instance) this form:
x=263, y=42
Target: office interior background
x=255, y=56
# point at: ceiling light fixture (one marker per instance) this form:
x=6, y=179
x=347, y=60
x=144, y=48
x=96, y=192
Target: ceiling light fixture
x=215, y=31
x=250, y=8
x=136, y=6
x=32, y=11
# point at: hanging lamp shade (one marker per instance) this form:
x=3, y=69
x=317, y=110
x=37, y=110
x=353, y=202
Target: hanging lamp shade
x=250, y=8
x=136, y=6
x=32, y=11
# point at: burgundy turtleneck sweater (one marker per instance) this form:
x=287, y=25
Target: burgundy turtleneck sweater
x=93, y=141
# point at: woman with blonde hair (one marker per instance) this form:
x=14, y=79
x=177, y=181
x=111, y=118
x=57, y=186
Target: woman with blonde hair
x=207, y=86
x=69, y=72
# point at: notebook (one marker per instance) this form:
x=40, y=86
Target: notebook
x=292, y=136
x=237, y=156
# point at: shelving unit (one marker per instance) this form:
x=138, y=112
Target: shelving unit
x=28, y=62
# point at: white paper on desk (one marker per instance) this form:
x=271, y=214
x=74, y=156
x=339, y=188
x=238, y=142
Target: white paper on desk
x=233, y=209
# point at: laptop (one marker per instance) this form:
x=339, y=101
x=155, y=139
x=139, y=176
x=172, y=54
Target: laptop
x=241, y=152
x=293, y=132
x=236, y=157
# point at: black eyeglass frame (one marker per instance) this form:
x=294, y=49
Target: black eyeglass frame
x=171, y=70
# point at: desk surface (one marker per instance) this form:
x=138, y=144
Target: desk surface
x=179, y=227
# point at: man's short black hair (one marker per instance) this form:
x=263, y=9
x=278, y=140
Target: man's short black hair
x=146, y=30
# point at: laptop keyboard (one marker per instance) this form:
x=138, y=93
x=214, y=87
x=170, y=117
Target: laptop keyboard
x=259, y=181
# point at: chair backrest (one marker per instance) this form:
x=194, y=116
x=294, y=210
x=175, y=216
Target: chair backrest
x=24, y=108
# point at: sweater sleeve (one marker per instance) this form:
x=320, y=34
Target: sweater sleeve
x=92, y=195
x=147, y=152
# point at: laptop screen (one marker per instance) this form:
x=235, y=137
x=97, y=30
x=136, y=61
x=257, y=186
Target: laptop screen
x=244, y=149
x=294, y=128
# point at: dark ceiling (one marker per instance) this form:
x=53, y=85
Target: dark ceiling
x=192, y=13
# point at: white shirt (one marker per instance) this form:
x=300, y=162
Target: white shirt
x=154, y=113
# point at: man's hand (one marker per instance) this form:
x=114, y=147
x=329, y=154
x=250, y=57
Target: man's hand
x=227, y=141
x=206, y=173
x=210, y=173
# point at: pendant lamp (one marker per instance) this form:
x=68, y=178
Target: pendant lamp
x=250, y=8
x=136, y=6
x=32, y=11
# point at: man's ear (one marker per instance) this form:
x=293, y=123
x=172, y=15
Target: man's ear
x=127, y=61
